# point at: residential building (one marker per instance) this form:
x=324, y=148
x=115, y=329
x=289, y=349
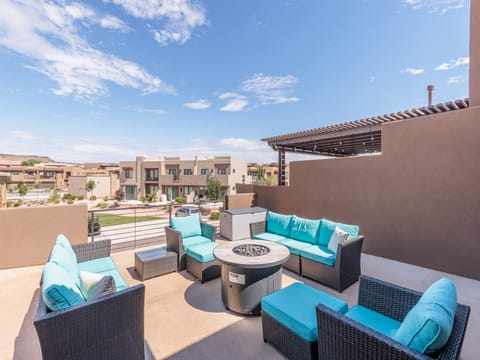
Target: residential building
x=3, y=188
x=174, y=177
x=105, y=185
x=45, y=175
x=271, y=171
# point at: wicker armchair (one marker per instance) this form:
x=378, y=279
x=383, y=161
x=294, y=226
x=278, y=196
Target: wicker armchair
x=110, y=327
x=341, y=338
x=175, y=242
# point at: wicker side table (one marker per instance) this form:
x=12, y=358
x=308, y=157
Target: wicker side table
x=155, y=262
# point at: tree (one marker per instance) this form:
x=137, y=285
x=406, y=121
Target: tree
x=214, y=189
x=90, y=185
x=261, y=179
x=30, y=162
x=22, y=190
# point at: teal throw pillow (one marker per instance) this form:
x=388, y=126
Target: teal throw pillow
x=327, y=228
x=65, y=243
x=305, y=229
x=63, y=258
x=428, y=325
x=278, y=223
x=188, y=225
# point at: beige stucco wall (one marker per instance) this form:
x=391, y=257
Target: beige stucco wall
x=418, y=202
x=28, y=234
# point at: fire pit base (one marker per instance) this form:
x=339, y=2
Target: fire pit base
x=243, y=289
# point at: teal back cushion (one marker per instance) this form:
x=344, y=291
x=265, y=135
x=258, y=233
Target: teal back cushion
x=278, y=223
x=59, y=290
x=327, y=228
x=63, y=241
x=428, y=325
x=188, y=225
x=63, y=258
x=305, y=229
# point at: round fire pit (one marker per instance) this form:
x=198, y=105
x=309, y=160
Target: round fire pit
x=250, y=270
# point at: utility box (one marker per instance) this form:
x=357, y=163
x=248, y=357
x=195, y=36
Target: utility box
x=235, y=224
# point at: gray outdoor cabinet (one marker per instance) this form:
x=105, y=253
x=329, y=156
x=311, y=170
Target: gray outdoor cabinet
x=235, y=224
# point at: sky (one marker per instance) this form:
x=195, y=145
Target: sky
x=106, y=81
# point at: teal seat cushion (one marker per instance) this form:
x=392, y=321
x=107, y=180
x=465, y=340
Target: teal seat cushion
x=62, y=240
x=194, y=240
x=269, y=237
x=60, y=256
x=120, y=283
x=59, y=290
x=374, y=320
x=428, y=325
x=294, y=307
x=98, y=265
x=305, y=229
x=202, y=252
x=327, y=228
x=295, y=246
x=187, y=225
x=278, y=223
x=319, y=253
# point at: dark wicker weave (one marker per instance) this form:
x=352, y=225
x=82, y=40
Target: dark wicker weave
x=175, y=243
x=346, y=270
x=347, y=263
x=340, y=338
x=286, y=341
x=110, y=327
x=203, y=271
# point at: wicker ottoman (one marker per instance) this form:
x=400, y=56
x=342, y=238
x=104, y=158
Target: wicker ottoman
x=289, y=319
x=155, y=262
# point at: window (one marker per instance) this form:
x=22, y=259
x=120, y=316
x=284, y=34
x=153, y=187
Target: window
x=187, y=172
x=151, y=174
x=204, y=172
x=173, y=172
x=128, y=173
x=130, y=192
x=233, y=171
x=221, y=171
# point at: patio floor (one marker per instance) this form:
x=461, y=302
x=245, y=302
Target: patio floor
x=186, y=320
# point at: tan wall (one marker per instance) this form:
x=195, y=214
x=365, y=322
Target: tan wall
x=418, y=202
x=28, y=234
x=239, y=201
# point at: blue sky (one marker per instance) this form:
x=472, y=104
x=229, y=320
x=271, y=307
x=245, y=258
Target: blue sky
x=109, y=80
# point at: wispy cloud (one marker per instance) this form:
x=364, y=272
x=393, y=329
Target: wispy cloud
x=271, y=89
x=412, y=71
x=147, y=110
x=21, y=134
x=113, y=23
x=453, y=63
x=47, y=33
x=435, y=6
x=243, y=144
x=235, y=102
x=456, y=79
x=198, y=105
x=178, y=18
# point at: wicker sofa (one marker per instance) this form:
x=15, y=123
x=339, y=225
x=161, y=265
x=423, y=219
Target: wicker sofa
x=342, y=338
x=108, y=327
x=310, y=256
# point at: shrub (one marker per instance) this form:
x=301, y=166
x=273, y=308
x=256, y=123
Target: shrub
x=80, y=197
x=70, y=201
x=93, y=198
x=102, y=205
x=67, y=196
x=105, y=198
x=10, y=203
x=18, y=203
x=143, y=198
x=214, y=215
x=204, y=211
x=220, y=208
x=181, y=199
x=119, y=195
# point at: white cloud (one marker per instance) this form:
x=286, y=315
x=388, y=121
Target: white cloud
x=242, y=144
x=47, y=33
x=198, y=105
x=236, y=102
x=456, y=79
x=113, y=23
x=435, y=6
x=412, y=71
x=453, y=63
x=271, y=89
x=20, y=134
x=178, y=18
x=146, y=110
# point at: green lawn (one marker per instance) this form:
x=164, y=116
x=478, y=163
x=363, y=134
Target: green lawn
x=109, y=219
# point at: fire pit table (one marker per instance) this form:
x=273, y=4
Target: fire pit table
x=250, y=270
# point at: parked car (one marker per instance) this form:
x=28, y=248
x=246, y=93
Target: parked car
x=187, y=210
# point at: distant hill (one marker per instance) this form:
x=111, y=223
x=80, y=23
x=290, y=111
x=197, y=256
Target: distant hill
x=17, y=159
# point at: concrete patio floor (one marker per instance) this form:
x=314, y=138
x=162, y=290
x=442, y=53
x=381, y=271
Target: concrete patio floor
x=187, y=320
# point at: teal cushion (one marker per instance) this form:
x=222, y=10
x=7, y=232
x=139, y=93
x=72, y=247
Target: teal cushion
x=428, y=325
x=59, y=290
x=120, y=283
x=319, y=254
x=194, y=240
x=97, y=265
x=374, y=320
x=269, y=237
x=294, y=307
x=305, y=229
x=187, y=225
x=278, y=224
x=294, y=246
x=60, y=256
x=202, y=252
x=327, y=228
x=63, y=241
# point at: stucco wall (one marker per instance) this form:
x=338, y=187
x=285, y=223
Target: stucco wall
x=418, y=202
x=28, y=234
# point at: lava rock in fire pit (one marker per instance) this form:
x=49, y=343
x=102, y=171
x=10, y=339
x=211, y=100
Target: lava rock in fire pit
x=251, y=250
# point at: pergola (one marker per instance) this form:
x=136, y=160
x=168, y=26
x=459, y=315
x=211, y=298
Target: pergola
x=352, y=138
